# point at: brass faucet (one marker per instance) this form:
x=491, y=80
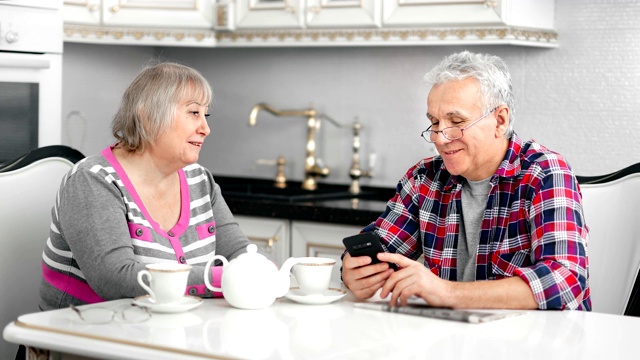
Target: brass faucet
x=312, y=170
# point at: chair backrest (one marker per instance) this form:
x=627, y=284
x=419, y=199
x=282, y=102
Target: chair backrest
x=612, y=213
x=27, y=194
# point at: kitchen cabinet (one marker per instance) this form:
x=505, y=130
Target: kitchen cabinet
x=300, y=14
x=283, y=238
x=257, y=14
x=270, y=235
x=342, y=13
x=184, y=14
x=389, y=22
x=322, y=240
x=140, y=22
x=84, y=12
x=525, y=13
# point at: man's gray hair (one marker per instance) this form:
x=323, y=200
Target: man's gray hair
x=490, y=71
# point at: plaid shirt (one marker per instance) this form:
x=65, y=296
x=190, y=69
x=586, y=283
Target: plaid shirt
x=533, y=226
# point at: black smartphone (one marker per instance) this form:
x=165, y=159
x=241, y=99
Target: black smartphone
x=365, y=244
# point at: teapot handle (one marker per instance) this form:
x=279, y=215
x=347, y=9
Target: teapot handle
x=207, y=272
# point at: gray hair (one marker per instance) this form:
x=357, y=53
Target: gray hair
x=149, y=103
x=490, y=71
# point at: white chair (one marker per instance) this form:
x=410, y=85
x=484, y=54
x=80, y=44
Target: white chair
x=612, y=213
x=28, y=188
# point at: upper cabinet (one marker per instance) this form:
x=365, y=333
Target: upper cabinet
x=301, y=14
x=311, y=22
x=385, y=22
x=342, y=13
x=144, y=22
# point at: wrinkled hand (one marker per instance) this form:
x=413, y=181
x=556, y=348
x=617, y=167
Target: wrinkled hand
x=413, y=278
x=362, y=278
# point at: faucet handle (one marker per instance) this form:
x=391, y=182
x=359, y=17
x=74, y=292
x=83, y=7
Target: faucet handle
x=356, y=172
x=280, y=180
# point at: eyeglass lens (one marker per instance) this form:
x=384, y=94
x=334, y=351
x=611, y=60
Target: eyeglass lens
x=99, y=315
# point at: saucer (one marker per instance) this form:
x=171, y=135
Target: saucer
x=329, y=296
x=186, y=303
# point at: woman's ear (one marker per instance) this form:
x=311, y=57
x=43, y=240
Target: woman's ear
x=502, y=114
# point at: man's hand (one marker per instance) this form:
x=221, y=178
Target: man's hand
x=362, y=278
x=413, y=278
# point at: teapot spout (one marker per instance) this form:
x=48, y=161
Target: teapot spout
x=284, y=276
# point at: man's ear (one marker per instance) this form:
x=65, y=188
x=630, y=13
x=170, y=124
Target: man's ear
x=502, y=114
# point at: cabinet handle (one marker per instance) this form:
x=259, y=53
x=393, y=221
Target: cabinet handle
x=115, y=9
x=290, y=9
x=92, y=8
x=269, y=241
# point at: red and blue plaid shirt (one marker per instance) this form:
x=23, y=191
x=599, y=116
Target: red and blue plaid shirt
x=533, y=226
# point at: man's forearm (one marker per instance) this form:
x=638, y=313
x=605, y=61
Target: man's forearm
x=509, y=293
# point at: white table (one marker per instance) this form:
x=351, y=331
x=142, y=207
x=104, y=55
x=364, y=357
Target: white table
x=288, y=330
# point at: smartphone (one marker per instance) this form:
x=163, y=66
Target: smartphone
x=365, y=244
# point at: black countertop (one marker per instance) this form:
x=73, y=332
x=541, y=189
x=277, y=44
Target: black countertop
x=330, y=203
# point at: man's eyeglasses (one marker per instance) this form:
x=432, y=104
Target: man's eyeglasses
x=451, y=132
x=98, y=315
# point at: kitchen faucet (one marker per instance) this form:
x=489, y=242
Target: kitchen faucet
x=312, y=169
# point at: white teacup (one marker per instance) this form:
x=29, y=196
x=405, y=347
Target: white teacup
x=313, y=274
x=167, y=281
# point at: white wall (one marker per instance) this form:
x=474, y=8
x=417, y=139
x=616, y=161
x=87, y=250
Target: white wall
x=580, y=99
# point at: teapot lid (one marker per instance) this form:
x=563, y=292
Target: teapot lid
x=252, y=251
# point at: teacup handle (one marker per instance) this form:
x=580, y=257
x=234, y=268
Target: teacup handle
x=207, y=272
x=141, y=275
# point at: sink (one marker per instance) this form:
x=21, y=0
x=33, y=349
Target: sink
x=260, y=189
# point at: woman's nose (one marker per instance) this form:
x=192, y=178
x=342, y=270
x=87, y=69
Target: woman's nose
x=204, y=127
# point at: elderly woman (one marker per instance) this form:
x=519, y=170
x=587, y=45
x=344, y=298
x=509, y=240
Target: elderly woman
x=143, y=200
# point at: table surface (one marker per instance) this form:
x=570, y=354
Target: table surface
x=288, y=330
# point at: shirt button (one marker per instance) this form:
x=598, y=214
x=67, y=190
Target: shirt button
x=193, y=291
x=170, y=234
x=212, y=229
x=139, y=232
x=182, y=260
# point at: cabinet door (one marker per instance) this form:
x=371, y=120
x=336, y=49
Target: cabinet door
x=265, y=14
x=439, y=12
x=322, y=240
x=271, y=235
x=189, y=14
x=343, y=13
x=81, y=12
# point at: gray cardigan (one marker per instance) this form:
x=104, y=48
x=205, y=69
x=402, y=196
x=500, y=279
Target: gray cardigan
x=101, y=235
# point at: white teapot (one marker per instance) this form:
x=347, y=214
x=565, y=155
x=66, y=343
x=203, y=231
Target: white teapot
x=251, y=281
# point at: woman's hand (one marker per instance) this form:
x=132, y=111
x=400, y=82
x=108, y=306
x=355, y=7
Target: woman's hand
x=362, y=278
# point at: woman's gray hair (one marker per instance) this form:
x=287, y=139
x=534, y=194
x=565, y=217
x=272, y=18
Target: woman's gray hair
x=148, y=105
x=490, y=71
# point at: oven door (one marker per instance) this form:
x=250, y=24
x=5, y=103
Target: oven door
x=31, y=102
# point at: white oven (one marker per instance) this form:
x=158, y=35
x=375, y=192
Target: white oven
x=30, y=75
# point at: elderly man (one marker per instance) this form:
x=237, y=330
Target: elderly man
x=488, y=207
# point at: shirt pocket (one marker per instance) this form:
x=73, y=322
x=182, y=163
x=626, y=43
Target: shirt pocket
x=140, y=232
x=206, y=230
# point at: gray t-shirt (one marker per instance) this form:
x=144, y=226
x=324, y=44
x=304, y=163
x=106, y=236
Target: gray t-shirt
x=474, y=202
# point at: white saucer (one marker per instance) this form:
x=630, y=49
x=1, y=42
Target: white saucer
x=329, y=296
x=187, y=303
